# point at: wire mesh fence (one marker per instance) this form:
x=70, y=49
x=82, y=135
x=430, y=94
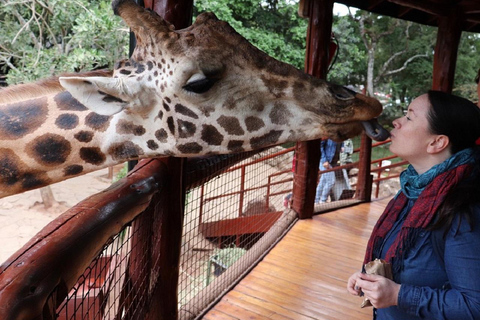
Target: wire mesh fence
x=230, y=222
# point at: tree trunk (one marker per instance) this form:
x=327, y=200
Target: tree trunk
x=47, y=197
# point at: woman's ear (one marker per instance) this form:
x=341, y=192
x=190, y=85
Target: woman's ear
x=438, y=144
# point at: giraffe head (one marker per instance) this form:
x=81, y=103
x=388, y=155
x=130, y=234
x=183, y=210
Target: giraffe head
x=206, y=90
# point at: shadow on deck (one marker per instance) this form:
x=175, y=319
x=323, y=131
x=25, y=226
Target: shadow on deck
x=304, y=276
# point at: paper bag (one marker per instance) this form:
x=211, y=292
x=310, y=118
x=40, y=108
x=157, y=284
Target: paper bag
x=378, y=267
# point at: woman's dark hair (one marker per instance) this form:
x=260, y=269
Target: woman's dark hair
x=455, y=117
x=459, y=120
x=477, y=78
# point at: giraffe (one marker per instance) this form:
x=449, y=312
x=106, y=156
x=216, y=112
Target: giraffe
x=202, y=90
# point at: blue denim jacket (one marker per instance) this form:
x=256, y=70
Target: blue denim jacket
x=436, y=289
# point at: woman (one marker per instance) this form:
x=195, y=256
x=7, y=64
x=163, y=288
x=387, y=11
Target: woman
x=430, y=231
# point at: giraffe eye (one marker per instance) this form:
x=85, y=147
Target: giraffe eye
x=200, y=85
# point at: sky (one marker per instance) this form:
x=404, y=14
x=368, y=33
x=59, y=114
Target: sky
x=341, y=9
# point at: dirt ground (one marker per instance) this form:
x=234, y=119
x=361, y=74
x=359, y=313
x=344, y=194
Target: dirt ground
x=23, y=215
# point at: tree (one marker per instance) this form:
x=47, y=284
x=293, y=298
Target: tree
x=273, y=26
x=40, y=38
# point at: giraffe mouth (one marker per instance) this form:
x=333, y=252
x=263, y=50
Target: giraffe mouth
x=374, y=130
x=342, y=131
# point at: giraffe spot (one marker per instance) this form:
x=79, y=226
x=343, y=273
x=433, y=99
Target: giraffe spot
x=49, y=149
x=66, y=102
x=280, y=114
x=149, y=65
x=160, y=114
x=67, y=121
x=254, y=124
x=125, y=72
x=152, y=145
x=11, y=175
x=231, y=125
x=171, y=125
x=92, y=155
x=166, y=106
x=211, y=135
x=235, y=146
x=72, y=170
x=19, y=119
x=185, y=111
x=168, y=100
x=140, y=69
x=97, y=122
x=186, y=128
x=128, y=127
x=9, y=172
x=161, y=135
x=190, y=148
x=266, y=140
x=276, y=87
x=31, y=180
x=229, y=103
x=84, y=136
x=125, y=151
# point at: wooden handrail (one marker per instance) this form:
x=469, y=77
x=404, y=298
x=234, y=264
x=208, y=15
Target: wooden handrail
x=59, y=253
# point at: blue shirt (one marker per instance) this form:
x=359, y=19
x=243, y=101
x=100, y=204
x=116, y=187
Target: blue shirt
x=327, y=148
x=436, y=289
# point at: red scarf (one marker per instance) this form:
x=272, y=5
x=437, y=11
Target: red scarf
x=419, y=217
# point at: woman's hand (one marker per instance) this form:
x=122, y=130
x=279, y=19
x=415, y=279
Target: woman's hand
x=381, y=292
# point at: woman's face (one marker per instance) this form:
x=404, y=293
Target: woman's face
x=411, y=134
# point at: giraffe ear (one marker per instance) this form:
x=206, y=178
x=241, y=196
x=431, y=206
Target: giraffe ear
x=105, y=96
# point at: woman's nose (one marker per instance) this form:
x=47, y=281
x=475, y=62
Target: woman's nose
x=396, y=122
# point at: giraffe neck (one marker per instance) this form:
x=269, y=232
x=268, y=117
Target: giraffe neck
x=49, y=136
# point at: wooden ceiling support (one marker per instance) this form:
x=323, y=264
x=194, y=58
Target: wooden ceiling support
x=445, y=58
x=320, y=14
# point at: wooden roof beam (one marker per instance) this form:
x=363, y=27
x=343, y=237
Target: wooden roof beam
x=425, y=6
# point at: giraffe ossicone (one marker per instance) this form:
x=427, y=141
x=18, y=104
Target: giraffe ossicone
x=198, y=91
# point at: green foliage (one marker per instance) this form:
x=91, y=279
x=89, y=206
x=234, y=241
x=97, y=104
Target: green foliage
x=272, y=26
x=39, y=39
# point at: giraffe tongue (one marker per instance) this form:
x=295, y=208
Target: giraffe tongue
x=374, y=130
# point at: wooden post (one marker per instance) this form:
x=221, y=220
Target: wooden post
x=164, y=223
x=445, y=57
x=364, y=183
x=320, y=14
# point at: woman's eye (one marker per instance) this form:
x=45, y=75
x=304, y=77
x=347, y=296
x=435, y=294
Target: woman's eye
x=200, y=86
x=408, y=118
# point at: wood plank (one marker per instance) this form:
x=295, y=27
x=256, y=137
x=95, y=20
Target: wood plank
x=304, y=276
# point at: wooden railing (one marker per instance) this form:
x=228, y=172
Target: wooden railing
x=36, y=279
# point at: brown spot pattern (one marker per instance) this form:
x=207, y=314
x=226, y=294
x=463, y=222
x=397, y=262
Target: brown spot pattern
x=265, y=140
x=231, y=125
x=128, y=127
x=72, y=170
x=19, y=119
x=185, y=111
x=65, y=101
x=190, y=148
x=152, y=145
x=235, y=146
x=186, y=129
x=84, y=136
x=211, y=135
x=125, y=151
x=254, y=124
x=49, y=149
x=92, y=155
x=280, y=114
x=67, y=121
x=161, y=135
x=97, y=122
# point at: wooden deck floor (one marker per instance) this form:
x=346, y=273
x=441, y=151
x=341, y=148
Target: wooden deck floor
x=304, y=276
